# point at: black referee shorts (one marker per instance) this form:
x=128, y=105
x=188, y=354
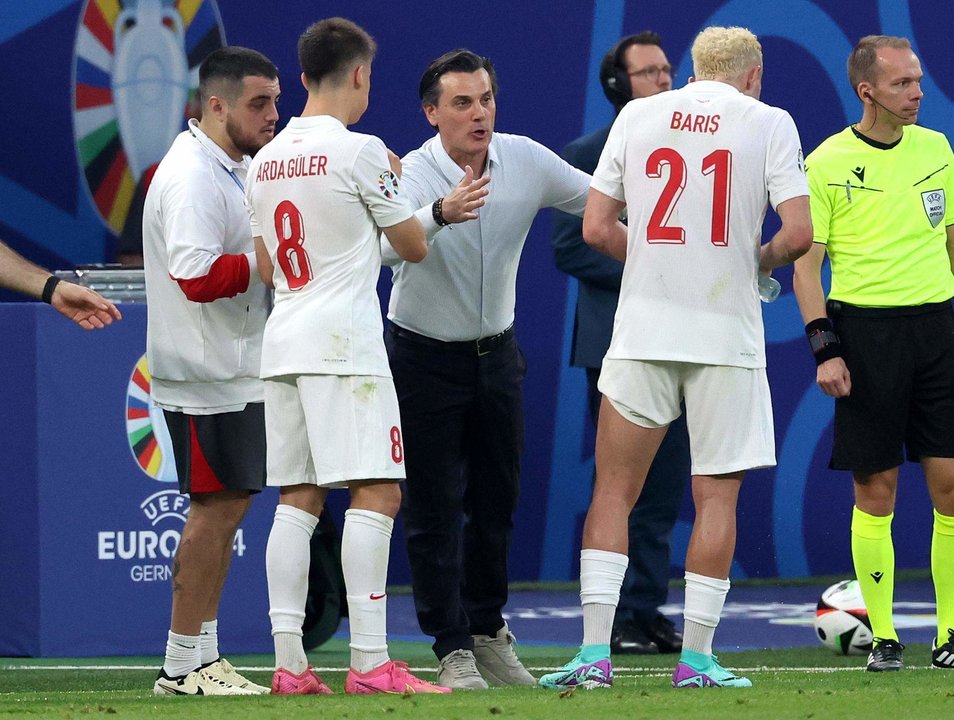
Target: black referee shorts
x=901, y=362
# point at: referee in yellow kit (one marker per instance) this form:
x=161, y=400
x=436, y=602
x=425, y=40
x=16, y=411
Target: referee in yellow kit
x=884, y=343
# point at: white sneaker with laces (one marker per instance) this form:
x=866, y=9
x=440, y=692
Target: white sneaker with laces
x=225, y=671
x=496, y=660
x=197, y=682
x=458, y=671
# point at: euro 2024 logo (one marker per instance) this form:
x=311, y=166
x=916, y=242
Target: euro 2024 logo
x=150, y=551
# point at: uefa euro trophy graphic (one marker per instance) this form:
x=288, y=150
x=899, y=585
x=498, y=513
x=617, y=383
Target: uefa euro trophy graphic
x=150, y=80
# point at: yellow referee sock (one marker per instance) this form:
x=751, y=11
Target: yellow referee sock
x=873, y=553
x=942, y=570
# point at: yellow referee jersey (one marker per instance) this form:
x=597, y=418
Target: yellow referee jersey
x=882, y=213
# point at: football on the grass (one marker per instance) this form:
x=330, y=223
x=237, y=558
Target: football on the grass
x=841, y=619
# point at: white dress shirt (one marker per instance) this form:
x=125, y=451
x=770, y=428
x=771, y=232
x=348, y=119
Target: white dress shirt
x=465, y=288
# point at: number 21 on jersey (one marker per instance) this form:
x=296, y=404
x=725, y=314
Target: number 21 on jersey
x=718, y=164
x=292, y=257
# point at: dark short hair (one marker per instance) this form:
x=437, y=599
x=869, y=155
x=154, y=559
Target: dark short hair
x=232, y=64
x=331, y=47
x=863, y=61
x=459, y=60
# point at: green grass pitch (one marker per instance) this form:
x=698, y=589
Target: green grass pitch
x=794, y=683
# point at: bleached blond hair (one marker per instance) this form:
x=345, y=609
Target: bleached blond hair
x=724, y=53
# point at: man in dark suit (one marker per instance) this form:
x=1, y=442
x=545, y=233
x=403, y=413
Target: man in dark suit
x=635, y=67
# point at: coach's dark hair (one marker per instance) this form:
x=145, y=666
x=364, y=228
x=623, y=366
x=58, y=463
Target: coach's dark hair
x=863, y=61
x=331, y=47
x=454, y=61
x=232, y=64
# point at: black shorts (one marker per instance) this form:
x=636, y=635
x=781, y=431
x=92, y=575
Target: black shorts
x=901, y=362
x=218, y=452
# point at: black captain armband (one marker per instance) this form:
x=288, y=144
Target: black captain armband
x=823, y=340
x=47, y=294
x=437, y=210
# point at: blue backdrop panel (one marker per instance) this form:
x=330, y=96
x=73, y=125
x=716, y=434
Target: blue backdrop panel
x=19, y=509
x=88, y=534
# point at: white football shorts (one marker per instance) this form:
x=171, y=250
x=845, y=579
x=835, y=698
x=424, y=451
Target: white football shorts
x=329, y=430
x=728, y=409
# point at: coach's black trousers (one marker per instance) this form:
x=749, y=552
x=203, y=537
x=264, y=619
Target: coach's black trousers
x=462, y=419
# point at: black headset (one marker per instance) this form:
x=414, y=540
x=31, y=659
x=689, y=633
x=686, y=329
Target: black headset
x=613, y=75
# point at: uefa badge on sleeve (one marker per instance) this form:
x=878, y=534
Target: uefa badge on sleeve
x=935, y=205
x=388, y=184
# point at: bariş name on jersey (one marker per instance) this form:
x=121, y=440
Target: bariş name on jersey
x=700, y=122
x=293, y=167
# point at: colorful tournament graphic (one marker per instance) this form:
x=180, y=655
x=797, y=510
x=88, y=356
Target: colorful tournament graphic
x=135, y=68
x=146, y=429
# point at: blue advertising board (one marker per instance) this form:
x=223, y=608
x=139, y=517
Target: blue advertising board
x=92, y=515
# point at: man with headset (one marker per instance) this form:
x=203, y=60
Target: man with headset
x=635, y=67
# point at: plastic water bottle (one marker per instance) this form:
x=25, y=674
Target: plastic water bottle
x=769, y=288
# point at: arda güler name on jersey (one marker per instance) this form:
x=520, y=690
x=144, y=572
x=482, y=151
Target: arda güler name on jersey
x=293, y=167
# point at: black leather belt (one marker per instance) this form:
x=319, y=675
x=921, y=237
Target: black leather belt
x=481, y=347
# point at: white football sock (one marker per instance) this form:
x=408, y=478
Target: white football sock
x=601, y=576
x=365, y=547
x=209, y=641
x=287, y=559
x=705, y=597
x=182, y=654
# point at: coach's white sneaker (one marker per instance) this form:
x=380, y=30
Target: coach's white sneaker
x=224, y=670
x=497, y=662
x=197, y=682
x=458, y=671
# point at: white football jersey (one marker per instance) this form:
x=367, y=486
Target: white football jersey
x=696, y=167
x=317, y=195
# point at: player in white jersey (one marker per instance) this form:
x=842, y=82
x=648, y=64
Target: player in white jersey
x=696, y=168
x=207, y=311
x=319, y=197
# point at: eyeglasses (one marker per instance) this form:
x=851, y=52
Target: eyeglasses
x=653, y=72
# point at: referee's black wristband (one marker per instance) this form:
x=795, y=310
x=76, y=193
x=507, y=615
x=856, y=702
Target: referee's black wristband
x=51, y=283
x=437, y=210
x=823, y=340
